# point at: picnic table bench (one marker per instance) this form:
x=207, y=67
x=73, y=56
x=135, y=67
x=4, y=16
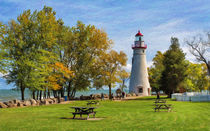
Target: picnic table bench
x=84, y=111
x=93, y=102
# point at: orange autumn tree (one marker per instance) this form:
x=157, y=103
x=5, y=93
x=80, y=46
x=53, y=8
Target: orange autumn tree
x=59, y=76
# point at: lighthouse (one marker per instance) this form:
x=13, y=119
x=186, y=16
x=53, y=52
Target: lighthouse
x=139, y=82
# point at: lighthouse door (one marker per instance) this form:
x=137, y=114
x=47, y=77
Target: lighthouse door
x=140, y=89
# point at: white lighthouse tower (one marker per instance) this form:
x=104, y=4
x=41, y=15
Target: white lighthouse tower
x=139, y=82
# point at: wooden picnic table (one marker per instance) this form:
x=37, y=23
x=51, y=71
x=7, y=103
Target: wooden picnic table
x=83, y=110
x=162, y=106
x=160, y=101
x=93, y=102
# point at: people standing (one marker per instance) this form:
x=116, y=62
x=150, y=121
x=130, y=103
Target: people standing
x=123, y=94
x=112, y=96
x=102, y=96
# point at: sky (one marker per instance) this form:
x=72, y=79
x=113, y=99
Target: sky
x=158, y=20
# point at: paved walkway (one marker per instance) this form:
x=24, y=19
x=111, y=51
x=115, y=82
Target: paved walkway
x=127, y=98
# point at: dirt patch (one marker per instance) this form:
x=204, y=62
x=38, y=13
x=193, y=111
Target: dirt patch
x=95, y=119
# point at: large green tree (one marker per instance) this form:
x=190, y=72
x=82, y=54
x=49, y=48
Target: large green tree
x=174, y=71
x=3, y=61
x=29, y=44
x=82, y=46
x=155, y=73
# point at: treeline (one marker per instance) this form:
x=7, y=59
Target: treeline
x=172, y=73
x=40, y=53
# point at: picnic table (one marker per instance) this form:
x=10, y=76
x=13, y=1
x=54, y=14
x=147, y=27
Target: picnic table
x=93, y=102
x=162, y=106
x=160, y=101
x=84, y=110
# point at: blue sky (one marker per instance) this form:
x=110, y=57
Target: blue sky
x=158, y=20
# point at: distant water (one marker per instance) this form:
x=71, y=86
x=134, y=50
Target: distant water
x=8, y=94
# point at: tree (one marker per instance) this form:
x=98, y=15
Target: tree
x=3, y=62
x=197, y=78
x=123, y=76
x=42, y=53
x=199, y=47
x=58, y=76
x=110, y=66
x=174, y=71
x=84, y=45
x=30, y=46
x=155, y=73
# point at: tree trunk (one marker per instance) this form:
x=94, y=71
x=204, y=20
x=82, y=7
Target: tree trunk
x=40, y=96
x=123, y=84
x=73, y=93
x=69, y=90
x=37, y=95
x=33, y=94
x=22, y=92
x=68, y=94
x=59, y=98
x=55, y=94
x=44, y=94
x=48, y=94
x=62, y=92
x=110, y=91
x=169, y=94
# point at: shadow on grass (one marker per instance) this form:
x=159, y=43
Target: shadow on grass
x=69, y=118
x=92, y=119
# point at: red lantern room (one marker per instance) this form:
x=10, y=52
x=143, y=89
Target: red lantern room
x=139, y=41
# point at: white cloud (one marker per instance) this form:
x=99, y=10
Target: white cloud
x=149, y=63
x=128, y=67
x=171, y=24
x=1, y=74
x=158, y=23
x=189, y=56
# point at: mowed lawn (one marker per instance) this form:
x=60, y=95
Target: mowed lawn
x=117, y=115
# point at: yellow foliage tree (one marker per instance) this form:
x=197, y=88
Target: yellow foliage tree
x=124, y=76
x=110, y=65
x=58, y=76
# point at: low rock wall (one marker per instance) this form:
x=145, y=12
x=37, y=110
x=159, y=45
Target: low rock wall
x=30, y=102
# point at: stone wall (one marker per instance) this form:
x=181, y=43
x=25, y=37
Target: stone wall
x=30, y=102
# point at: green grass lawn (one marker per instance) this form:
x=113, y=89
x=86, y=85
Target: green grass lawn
x=118, y=115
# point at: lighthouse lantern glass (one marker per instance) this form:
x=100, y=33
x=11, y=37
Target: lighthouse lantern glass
x=142, y=38
x=138, y=38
